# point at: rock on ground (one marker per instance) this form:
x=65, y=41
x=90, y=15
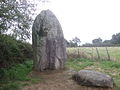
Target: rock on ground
x=93, y=78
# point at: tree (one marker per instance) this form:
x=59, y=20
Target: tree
x=87, y=45
x=97, y=41
x=15, y=18
x=76, y=41
x=73, y=43
x=107, y=41
x=115, y=38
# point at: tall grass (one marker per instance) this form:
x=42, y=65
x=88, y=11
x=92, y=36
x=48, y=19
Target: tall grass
x=91, y=53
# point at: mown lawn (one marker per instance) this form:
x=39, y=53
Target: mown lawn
x=111, y=68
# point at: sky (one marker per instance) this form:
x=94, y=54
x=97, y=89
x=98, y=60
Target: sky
x=86, y=19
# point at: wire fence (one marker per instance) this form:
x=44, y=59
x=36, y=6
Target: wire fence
x=94, y=53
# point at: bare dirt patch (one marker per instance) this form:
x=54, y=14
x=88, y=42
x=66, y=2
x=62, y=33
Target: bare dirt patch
x=57, y=80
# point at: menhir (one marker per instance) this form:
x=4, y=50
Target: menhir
x=48, y=42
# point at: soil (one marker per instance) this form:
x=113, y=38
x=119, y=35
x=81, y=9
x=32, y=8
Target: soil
x=57, y=80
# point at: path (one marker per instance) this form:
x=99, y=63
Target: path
x=57, y=80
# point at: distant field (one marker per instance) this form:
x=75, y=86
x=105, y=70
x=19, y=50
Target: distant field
x=91, y=52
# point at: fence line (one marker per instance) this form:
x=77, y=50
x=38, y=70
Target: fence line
x=88, y=54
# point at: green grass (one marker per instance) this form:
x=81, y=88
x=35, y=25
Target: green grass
x=111, y=68
x=35, y=80
x=16, y=76
x=16, y=72
x=78, y=64
x=109, y=64
x=11, y=86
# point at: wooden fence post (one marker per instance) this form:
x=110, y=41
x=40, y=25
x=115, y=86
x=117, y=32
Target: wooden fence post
x=92, y=53
x=98, y=53
x=78, y=53
x=108, y=54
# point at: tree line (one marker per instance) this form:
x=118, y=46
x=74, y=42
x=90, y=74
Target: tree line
x=98, y=42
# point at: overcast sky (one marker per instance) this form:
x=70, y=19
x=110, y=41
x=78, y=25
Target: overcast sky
x=86, y=19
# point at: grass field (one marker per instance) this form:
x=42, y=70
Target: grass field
x=91, y=53
x=111, y=68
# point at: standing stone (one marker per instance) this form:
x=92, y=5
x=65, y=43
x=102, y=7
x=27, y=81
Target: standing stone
x=48, y=42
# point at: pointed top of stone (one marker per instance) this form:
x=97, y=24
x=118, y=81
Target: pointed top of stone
x=44, y=11
x=47, y=13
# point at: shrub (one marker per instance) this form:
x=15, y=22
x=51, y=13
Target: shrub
x=25, y=49
x=9, y=51
x=13, y=51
